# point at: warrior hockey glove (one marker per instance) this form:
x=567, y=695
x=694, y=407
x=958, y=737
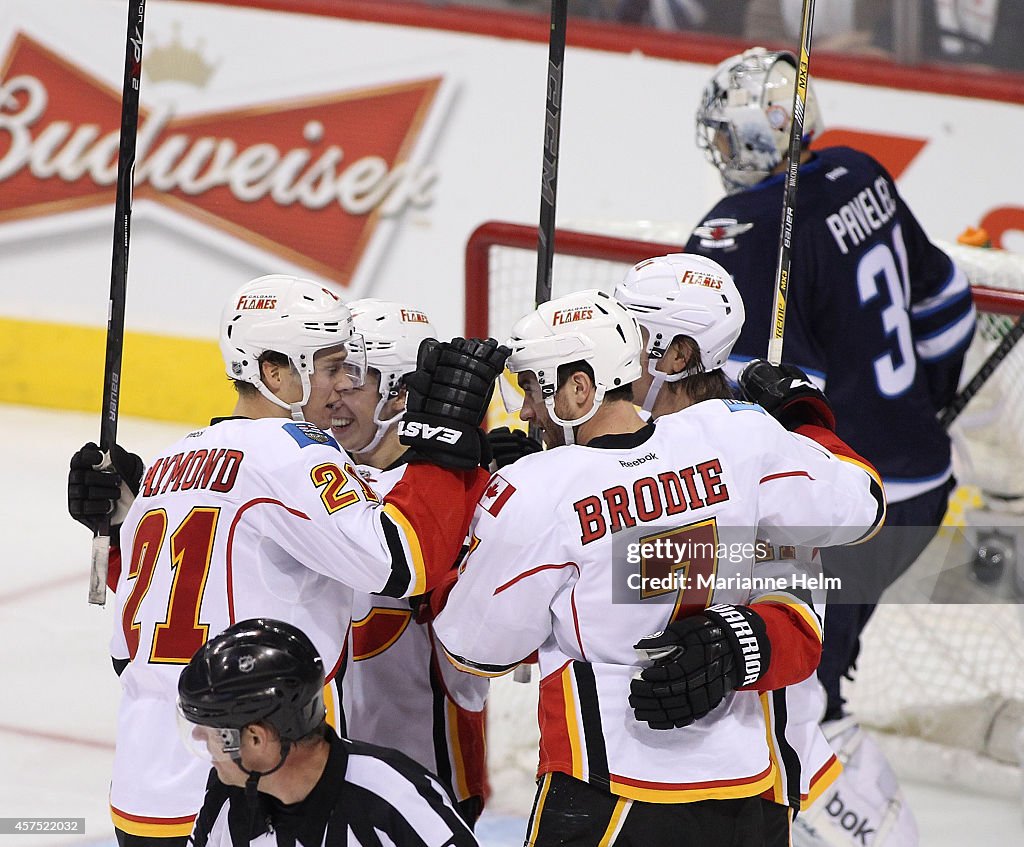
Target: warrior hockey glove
x=697, y=661
x=510, y=445
x=93, y=494
x=448, y=397
x=786, y=394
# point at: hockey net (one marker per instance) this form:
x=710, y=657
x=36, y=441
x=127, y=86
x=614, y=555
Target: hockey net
x=943, y=684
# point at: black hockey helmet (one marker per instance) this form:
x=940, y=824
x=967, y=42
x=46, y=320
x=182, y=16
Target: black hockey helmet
x=258, y=670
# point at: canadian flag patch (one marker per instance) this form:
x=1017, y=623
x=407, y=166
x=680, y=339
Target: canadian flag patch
x=496, y=494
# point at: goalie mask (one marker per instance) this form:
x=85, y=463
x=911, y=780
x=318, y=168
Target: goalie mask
x=388, y=337
x=287, y=315
x=683, y=294
x=256, y=671
x=587, y=326
x=743, y=122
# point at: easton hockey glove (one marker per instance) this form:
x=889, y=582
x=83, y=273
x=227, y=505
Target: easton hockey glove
x=697, y=661
x=785, y=392
x=447, y=400
x=94, y=494
x=510, y=445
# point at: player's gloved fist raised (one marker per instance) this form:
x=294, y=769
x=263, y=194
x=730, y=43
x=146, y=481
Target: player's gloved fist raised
x=510, y=445
x=447, y=400
x=95, y=492
x=785, y=392
x=697, y=661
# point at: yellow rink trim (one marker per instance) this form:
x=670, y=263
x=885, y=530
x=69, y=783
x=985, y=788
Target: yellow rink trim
x=60, y=366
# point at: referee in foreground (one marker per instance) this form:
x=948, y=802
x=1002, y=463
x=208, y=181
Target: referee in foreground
x=251, y=700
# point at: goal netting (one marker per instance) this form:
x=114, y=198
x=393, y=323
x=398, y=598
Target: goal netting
x=941, y=683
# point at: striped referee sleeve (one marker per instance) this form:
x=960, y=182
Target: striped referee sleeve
x=386, y=792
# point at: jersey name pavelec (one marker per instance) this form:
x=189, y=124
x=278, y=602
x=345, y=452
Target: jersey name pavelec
x=242, y=519
x=400, y=691
x=558, y=562
x=873, y=309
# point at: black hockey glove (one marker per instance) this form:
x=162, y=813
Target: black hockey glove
x=786, y=394
x=697, y=661
x=510, y=445
x=447, y=400
x=94, y=494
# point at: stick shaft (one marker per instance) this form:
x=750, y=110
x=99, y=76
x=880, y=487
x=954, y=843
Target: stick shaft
x=796, y=131
x=119, y=271
x=549, y=173
x=959, y=403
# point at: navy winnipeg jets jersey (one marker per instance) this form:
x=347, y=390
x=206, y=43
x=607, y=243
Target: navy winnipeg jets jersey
x=877, y=315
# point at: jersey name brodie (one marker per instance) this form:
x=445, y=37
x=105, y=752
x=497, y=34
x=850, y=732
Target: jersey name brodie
x=650, y=498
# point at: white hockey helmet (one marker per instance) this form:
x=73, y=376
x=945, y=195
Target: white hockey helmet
x=288, y=315
x=748, y=104
x=587, y=326
x=683, y=294
x=388, y=335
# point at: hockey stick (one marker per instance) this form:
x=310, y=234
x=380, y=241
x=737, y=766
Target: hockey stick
x=118, y=277
x=796, y=131
x=953, y=410
x=549, y=171
x=549, y=174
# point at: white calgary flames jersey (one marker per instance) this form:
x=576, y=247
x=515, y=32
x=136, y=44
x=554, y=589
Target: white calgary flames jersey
x=581, y=551
x=400, y=691
x=242, y=519
x=807, y=763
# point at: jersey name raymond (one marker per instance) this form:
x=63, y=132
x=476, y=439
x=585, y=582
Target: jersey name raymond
x=214, y=468
x=649, y=499
x=418, y=429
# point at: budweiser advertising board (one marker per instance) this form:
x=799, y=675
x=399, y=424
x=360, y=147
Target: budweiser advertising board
x=302, y=181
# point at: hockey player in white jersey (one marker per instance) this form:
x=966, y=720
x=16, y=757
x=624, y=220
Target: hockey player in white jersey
x=399, y=690
x=690, y=314
x=262, y=514
x=625, y=528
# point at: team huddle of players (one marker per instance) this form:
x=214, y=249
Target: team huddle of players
x=353, y=495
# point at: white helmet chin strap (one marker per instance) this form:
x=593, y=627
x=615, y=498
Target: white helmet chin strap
x=569, y=427
x=659, y=378
x=294, y=408
x=382, y=425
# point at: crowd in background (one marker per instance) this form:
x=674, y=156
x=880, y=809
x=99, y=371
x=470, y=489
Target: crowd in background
x=979, y=33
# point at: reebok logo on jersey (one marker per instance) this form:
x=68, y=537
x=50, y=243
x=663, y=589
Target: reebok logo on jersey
x=649, y=457
x=418, y=429
x=496, y=494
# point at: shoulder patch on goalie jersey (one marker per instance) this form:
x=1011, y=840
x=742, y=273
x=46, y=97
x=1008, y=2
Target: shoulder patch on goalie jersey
x=496, y=494
x=306, y=434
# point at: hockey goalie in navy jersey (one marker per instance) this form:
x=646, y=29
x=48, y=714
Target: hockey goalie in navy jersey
x=878, y=317
x=557, y=563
